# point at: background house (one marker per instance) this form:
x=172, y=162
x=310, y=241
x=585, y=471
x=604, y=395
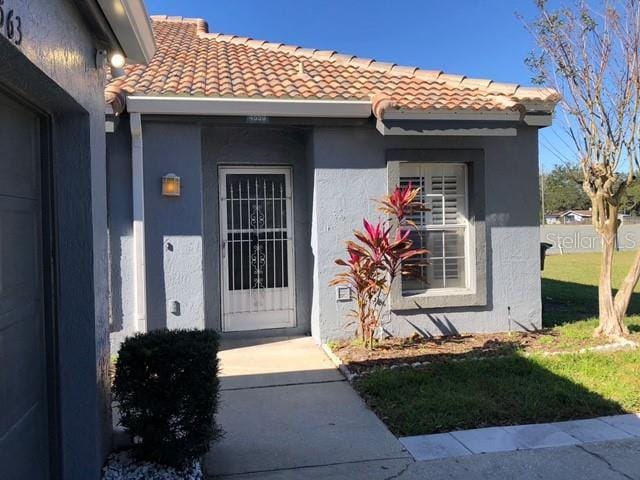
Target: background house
x=552, y=218
x=54, y=350
x=568, y=216
x=280, y=150
x=575, y=216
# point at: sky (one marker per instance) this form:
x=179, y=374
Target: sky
x=476, y=38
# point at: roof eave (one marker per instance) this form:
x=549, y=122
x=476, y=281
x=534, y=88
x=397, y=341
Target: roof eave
x=132, y=27
x=312, y=108
x=455, y=115
x=161, y=105
x=542, y=118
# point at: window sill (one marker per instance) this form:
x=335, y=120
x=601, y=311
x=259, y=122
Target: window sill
x=439, y=298
x=438, y=292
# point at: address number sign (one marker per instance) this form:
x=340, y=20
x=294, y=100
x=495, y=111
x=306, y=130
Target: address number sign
x=10, y=24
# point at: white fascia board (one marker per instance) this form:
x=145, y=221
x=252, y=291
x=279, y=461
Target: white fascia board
x=544, y=120
x=460, y=115
x=131, y=25
x=397, y=130
x=159, y=105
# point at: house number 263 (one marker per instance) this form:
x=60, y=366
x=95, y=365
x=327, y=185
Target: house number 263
x=10, y=24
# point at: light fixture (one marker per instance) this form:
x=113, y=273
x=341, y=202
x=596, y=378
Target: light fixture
x=117, y=60
x=171, y=185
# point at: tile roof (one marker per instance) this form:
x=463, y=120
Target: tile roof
x=190, y=61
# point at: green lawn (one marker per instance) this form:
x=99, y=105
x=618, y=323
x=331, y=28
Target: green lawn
x=504, y=391
x=518, y=389
x=570, y=294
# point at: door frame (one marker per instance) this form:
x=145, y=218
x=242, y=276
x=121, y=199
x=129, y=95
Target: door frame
x=255, y=169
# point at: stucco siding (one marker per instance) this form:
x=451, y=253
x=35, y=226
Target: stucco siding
x=120, y=205
x=337, y=172
x=66, y=83
x=173, y=226
x=173, y=229
x=350, y=170
x=257, y=146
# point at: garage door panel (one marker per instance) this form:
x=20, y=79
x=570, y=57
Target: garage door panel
x=20, y=165
x=24, y=429
x=23, y=382
x=20, y=271
x=23, y=451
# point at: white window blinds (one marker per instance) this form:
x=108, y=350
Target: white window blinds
x=443, y=229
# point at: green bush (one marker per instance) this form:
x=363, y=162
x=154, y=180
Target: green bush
x=166, y=387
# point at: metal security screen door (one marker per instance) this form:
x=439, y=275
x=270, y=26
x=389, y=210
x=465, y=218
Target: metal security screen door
x=256, y=228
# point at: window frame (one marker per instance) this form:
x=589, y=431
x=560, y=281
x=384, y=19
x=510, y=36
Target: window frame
x=424, y=169
x=476, y=292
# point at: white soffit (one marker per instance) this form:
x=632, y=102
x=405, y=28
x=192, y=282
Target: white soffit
x=399, y=130
x=457, y=115
x=159, y=105
x=132, y=27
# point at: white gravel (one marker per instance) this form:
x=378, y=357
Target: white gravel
x=121, y=466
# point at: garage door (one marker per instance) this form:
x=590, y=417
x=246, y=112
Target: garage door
x=24, y=449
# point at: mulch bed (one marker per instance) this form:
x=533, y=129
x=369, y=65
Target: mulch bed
x=395, y=351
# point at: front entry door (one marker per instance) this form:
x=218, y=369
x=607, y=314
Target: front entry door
x=256, y=232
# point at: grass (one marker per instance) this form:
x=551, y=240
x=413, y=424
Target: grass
x=570, y=295
x=517, y=389
x=504, y=391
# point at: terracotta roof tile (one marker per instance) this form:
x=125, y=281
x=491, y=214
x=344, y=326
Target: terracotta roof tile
x=191, y=61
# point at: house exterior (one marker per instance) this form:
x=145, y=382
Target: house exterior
x=576, y=216
x=54, y=336
x=552, y=218
x=568, y=216
x=279, y=151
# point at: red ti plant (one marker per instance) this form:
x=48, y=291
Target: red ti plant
x=376, y=259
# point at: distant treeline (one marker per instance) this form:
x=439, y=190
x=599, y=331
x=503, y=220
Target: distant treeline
x=563, y=191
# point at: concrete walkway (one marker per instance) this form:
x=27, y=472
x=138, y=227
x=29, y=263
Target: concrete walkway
x=285, y=407
x=522, y=437
x=289, y=415
x=619, y=460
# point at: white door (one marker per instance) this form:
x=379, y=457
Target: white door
x=256, y=233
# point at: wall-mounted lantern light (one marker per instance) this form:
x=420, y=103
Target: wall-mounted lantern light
x=171, y=185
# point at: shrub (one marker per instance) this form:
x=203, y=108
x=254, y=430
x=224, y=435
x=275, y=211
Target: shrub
x=166, y=387
x=377, y=258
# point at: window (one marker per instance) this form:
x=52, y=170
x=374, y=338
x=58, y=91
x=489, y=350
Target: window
x=443, y=230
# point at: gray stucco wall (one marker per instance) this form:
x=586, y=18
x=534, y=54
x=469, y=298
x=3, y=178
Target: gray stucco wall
x=257, y=146
x=182, y=234
x=350, y=169
x=173, y=228
x=337, y=171
x=120, y=206
x=54, y=68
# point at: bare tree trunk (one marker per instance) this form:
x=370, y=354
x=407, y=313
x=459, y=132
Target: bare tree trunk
x=623, y=297
x=611, y=322
x=612, y=309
